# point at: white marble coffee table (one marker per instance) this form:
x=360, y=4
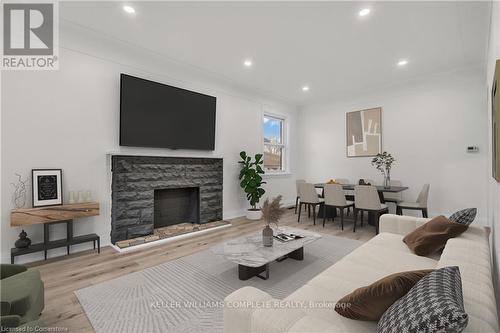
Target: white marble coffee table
x=253, y=258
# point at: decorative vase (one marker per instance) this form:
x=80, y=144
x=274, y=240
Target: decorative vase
x=254, y=214
x=387, y=181
x=267, y=236
x=72, y=197
x=23, y=241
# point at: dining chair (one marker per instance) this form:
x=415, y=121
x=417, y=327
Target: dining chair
x=335, y=198
x=297, y=182
x=309, y=197
x=348, y=193
x=420, y=204
x=366, y=198
x=394, y=197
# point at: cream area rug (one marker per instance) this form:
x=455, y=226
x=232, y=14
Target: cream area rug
x=184, y=295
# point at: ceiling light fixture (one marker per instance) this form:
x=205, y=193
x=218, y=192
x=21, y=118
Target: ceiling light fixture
x=129, y=9
x=305, y=88
x=247, y=63
x=402, y=62
x=364, y=12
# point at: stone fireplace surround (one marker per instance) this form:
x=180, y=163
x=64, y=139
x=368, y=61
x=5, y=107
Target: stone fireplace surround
x=135, y=179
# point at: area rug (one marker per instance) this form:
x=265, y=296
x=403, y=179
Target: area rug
x=184, y=295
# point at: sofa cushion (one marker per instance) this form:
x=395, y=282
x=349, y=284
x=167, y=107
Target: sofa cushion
x=432, y=236
x=321, y=303
x=370, y=302
x=434, y=304
x=464, y=216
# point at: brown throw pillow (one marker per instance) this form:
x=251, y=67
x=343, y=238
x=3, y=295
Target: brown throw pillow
x=432, y=236
x=370, y=302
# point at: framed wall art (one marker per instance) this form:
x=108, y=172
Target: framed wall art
x=364, y=132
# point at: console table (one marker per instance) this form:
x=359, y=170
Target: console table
x=54, y=215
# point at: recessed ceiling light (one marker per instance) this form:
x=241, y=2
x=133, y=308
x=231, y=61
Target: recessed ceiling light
x=247, y=63
x=129, y=9
x=305, y=88
x=402, y=62
x=364, y=12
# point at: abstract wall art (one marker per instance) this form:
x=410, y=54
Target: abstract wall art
x=364, y=132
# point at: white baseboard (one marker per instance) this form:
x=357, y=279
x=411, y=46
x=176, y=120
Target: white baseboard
x=234, y=214
x=165, y=240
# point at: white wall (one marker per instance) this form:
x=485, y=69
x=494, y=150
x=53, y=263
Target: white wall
x=69, y=119
x=493, y=186
x=426, y=125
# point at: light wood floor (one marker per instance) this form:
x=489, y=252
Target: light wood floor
x=63, y=275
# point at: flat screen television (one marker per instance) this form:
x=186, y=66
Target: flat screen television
x=160, y=116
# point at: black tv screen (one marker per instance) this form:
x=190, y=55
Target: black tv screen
x=157, y=115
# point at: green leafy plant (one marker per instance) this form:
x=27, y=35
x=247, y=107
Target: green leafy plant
x=251, y=179
x=383, y=163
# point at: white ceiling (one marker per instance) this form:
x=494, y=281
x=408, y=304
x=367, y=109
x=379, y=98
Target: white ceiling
x=325, y=45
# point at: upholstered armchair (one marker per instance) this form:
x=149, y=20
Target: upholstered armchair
x=21, y=296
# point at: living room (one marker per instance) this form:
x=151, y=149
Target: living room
x=187, y=141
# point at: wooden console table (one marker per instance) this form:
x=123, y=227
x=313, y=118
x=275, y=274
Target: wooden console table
x=54, y=215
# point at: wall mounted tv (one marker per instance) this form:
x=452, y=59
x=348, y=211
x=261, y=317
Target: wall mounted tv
x=161, y=116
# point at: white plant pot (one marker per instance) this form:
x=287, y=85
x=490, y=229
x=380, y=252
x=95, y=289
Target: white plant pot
x=254, y=214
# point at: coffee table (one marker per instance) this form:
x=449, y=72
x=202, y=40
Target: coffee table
x=253, y=258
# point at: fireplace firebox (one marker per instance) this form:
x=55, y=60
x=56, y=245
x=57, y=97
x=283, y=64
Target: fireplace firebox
x=176, y=205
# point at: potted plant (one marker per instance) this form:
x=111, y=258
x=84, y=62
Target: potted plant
x=271, y=212
x=383, y=162
x=251, y=182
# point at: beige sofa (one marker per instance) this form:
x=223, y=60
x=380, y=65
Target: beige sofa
x=252, y=310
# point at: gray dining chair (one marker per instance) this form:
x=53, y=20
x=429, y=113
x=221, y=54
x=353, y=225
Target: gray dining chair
x=297, y=182
x=420, y=204
x=335, y=198
x=366, y=199
x=309, y=198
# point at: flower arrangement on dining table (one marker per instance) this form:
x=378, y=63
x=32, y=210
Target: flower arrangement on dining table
x=383, y=162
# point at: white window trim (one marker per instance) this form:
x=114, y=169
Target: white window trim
x=284, y=145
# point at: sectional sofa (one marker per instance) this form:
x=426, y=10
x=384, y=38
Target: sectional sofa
x=383, y=255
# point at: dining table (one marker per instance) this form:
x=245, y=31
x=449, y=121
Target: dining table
x=350, y=187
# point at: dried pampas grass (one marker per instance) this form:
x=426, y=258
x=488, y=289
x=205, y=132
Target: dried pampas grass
x=273, y=211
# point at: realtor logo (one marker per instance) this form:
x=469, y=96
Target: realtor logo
x=29, y=36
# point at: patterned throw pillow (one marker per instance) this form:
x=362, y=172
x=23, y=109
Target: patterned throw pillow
x=434, y=304
x=464, y=216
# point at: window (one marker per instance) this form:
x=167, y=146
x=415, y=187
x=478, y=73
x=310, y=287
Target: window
x=274, y=144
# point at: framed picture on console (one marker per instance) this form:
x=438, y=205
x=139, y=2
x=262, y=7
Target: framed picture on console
x=47, y=187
